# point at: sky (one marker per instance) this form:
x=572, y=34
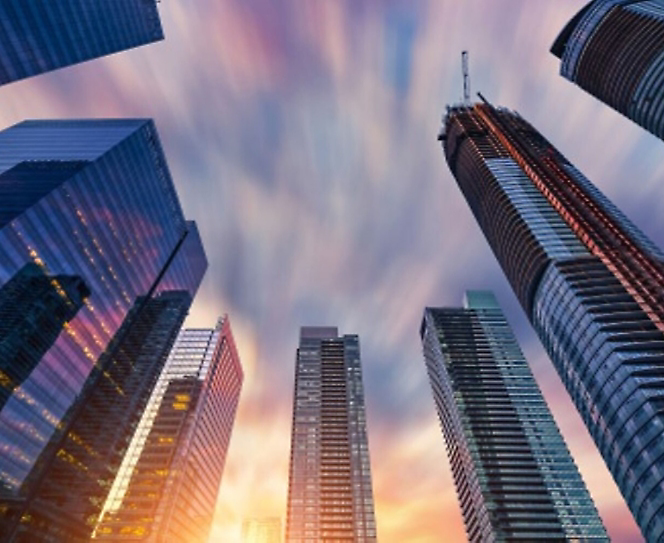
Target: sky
x=301, y=135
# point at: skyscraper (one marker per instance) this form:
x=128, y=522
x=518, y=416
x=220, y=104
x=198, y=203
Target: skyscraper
x=614, y=49
x=329, y=491
x=590, y=282
x=167, y=488
x=88, y=207
x=41, y=35
x=515, y=478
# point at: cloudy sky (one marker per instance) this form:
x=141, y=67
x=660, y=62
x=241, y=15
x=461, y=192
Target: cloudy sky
x=301, y=135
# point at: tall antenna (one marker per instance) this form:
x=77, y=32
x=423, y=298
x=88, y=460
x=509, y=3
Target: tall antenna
x=466, y=78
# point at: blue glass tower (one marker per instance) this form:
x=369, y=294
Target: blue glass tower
x=590, y=282
x=88, y=212
x=37, y=36
x=515, y=478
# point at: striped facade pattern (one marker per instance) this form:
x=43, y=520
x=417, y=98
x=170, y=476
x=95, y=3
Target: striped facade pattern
x=599, y=309
x=614, y=49
x=330, y=497
x=38, y=36
x=515, y=478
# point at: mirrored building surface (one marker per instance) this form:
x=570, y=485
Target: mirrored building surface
x=33, y=311
x=614, y=49
x=329, y=489
x=515, y=478
x=37, y=36
x=167, y=488
x=90, y=220
x=590, y=282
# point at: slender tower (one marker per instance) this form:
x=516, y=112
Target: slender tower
x=41, y=35
x=167, y=487
x=98, y=268
x=329, y=492
x=590, y=282
x=614, y=49
x=515, y=478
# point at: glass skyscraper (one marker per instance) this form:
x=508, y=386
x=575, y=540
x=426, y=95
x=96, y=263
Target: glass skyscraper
x=329, y=491
x=515, y=478
x=590, y=282
x=37, y=36
x=614, y=49
x=99, y=267
x=167, y=488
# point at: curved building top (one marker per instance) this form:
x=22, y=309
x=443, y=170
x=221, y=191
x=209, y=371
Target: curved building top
x=614, y=49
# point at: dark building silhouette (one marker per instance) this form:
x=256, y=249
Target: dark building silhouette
x=515, y=478
x=33, y=311
x=41, y=35
x=329, y=488
x=590, y=282
x=614, y=49
x=92, y=201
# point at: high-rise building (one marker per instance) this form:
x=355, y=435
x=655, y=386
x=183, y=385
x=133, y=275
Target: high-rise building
x=614, y=49
x=99, y=266
x=590, y=282
x=261, y=530
x=515, y=478
x=166, y=489
x=41, y=35
x=329, y=492
x=98, y=427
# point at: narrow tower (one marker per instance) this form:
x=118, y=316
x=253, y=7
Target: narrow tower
x=590, y=282
x=515, y=478
x=329, y=492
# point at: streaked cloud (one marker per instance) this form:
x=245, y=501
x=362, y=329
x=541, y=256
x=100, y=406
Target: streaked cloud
x=301, y=136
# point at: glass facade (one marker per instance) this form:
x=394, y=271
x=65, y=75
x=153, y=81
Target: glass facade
x=329, y=493
x=95, y=259
x=591, y=283
x=166, y=489
x=37, y=36
x=515, y=478
x=33, y=311
x=614, y=49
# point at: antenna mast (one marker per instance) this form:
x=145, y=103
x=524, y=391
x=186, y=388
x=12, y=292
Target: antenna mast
x=466, y=78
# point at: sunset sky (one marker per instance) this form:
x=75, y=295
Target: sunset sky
x=301, y=135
